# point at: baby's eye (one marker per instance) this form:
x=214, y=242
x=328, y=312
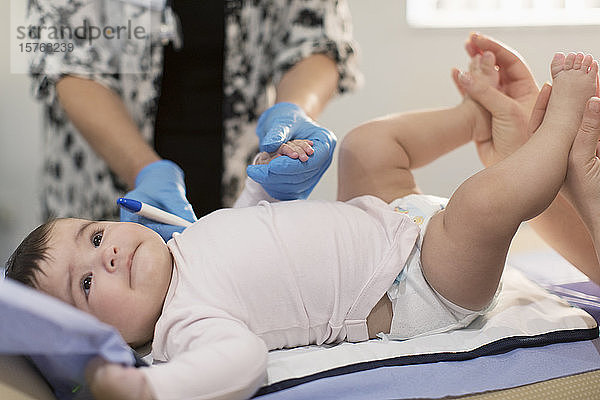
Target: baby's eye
x=86, y=284
x=97, y=239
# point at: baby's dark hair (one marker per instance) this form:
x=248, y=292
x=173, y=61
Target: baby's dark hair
x=24, y=262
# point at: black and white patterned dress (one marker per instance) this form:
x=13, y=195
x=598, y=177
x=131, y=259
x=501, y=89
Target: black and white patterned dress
x=263, y=39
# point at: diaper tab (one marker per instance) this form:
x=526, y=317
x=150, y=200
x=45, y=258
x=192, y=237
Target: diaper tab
x=356, y=330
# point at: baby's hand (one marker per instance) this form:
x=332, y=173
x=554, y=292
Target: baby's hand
x=298, y=148
x=116, y=382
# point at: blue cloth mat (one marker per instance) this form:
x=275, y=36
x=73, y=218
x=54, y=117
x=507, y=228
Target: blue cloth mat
x=437, y=380
x=58, y=338
x=585, y=295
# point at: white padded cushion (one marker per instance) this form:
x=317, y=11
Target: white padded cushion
x=523, y=309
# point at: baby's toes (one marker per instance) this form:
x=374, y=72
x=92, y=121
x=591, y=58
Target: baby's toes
x=593, y=71
x=587, y=62
x=483, y=69
x=588, y=59
x=578, y=61
x=558, y=64
x=488, y=61
x=569, y=61
x=488, y=67
x=475, y=64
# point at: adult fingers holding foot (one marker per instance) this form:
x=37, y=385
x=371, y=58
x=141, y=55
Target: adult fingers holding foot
x=506, y=130
x=582, y=183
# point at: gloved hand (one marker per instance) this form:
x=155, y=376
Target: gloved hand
x=161, y=185
x=285, y=178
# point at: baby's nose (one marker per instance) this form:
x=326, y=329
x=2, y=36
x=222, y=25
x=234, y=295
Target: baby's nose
x=109, y=258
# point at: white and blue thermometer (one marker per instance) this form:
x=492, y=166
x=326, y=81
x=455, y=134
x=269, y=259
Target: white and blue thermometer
x=150, y=212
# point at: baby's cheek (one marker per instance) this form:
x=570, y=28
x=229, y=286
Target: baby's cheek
x=112, y=306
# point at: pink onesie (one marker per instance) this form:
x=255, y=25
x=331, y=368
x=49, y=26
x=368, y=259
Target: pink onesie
x=248, y=280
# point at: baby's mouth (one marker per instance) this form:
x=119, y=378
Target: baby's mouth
x=130, y=265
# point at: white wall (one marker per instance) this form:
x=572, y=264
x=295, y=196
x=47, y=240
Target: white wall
x=20, y=147
x=405, y=69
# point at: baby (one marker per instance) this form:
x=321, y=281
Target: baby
x=383, y=259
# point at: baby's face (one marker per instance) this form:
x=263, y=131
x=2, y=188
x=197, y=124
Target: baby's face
x=117, y=271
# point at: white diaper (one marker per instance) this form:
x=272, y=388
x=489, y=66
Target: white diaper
x=417, y=308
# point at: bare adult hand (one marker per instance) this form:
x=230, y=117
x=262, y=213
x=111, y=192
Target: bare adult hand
x=582, y=184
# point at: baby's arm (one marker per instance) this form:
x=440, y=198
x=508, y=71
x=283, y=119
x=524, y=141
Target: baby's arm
x=209, y=358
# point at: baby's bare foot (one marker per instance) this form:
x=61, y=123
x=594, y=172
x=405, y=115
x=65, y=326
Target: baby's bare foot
x=501, y=123
x=484, y=70
x=482, y=76
x=574, y=80
x=516, y=77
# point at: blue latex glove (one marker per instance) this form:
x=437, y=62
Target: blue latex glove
x=285, y=178
x=161, y=185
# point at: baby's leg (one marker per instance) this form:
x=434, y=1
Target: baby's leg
x=465, y=245
x=377, y=157
x=371, y=161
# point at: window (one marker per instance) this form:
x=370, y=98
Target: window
x=487, y=13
